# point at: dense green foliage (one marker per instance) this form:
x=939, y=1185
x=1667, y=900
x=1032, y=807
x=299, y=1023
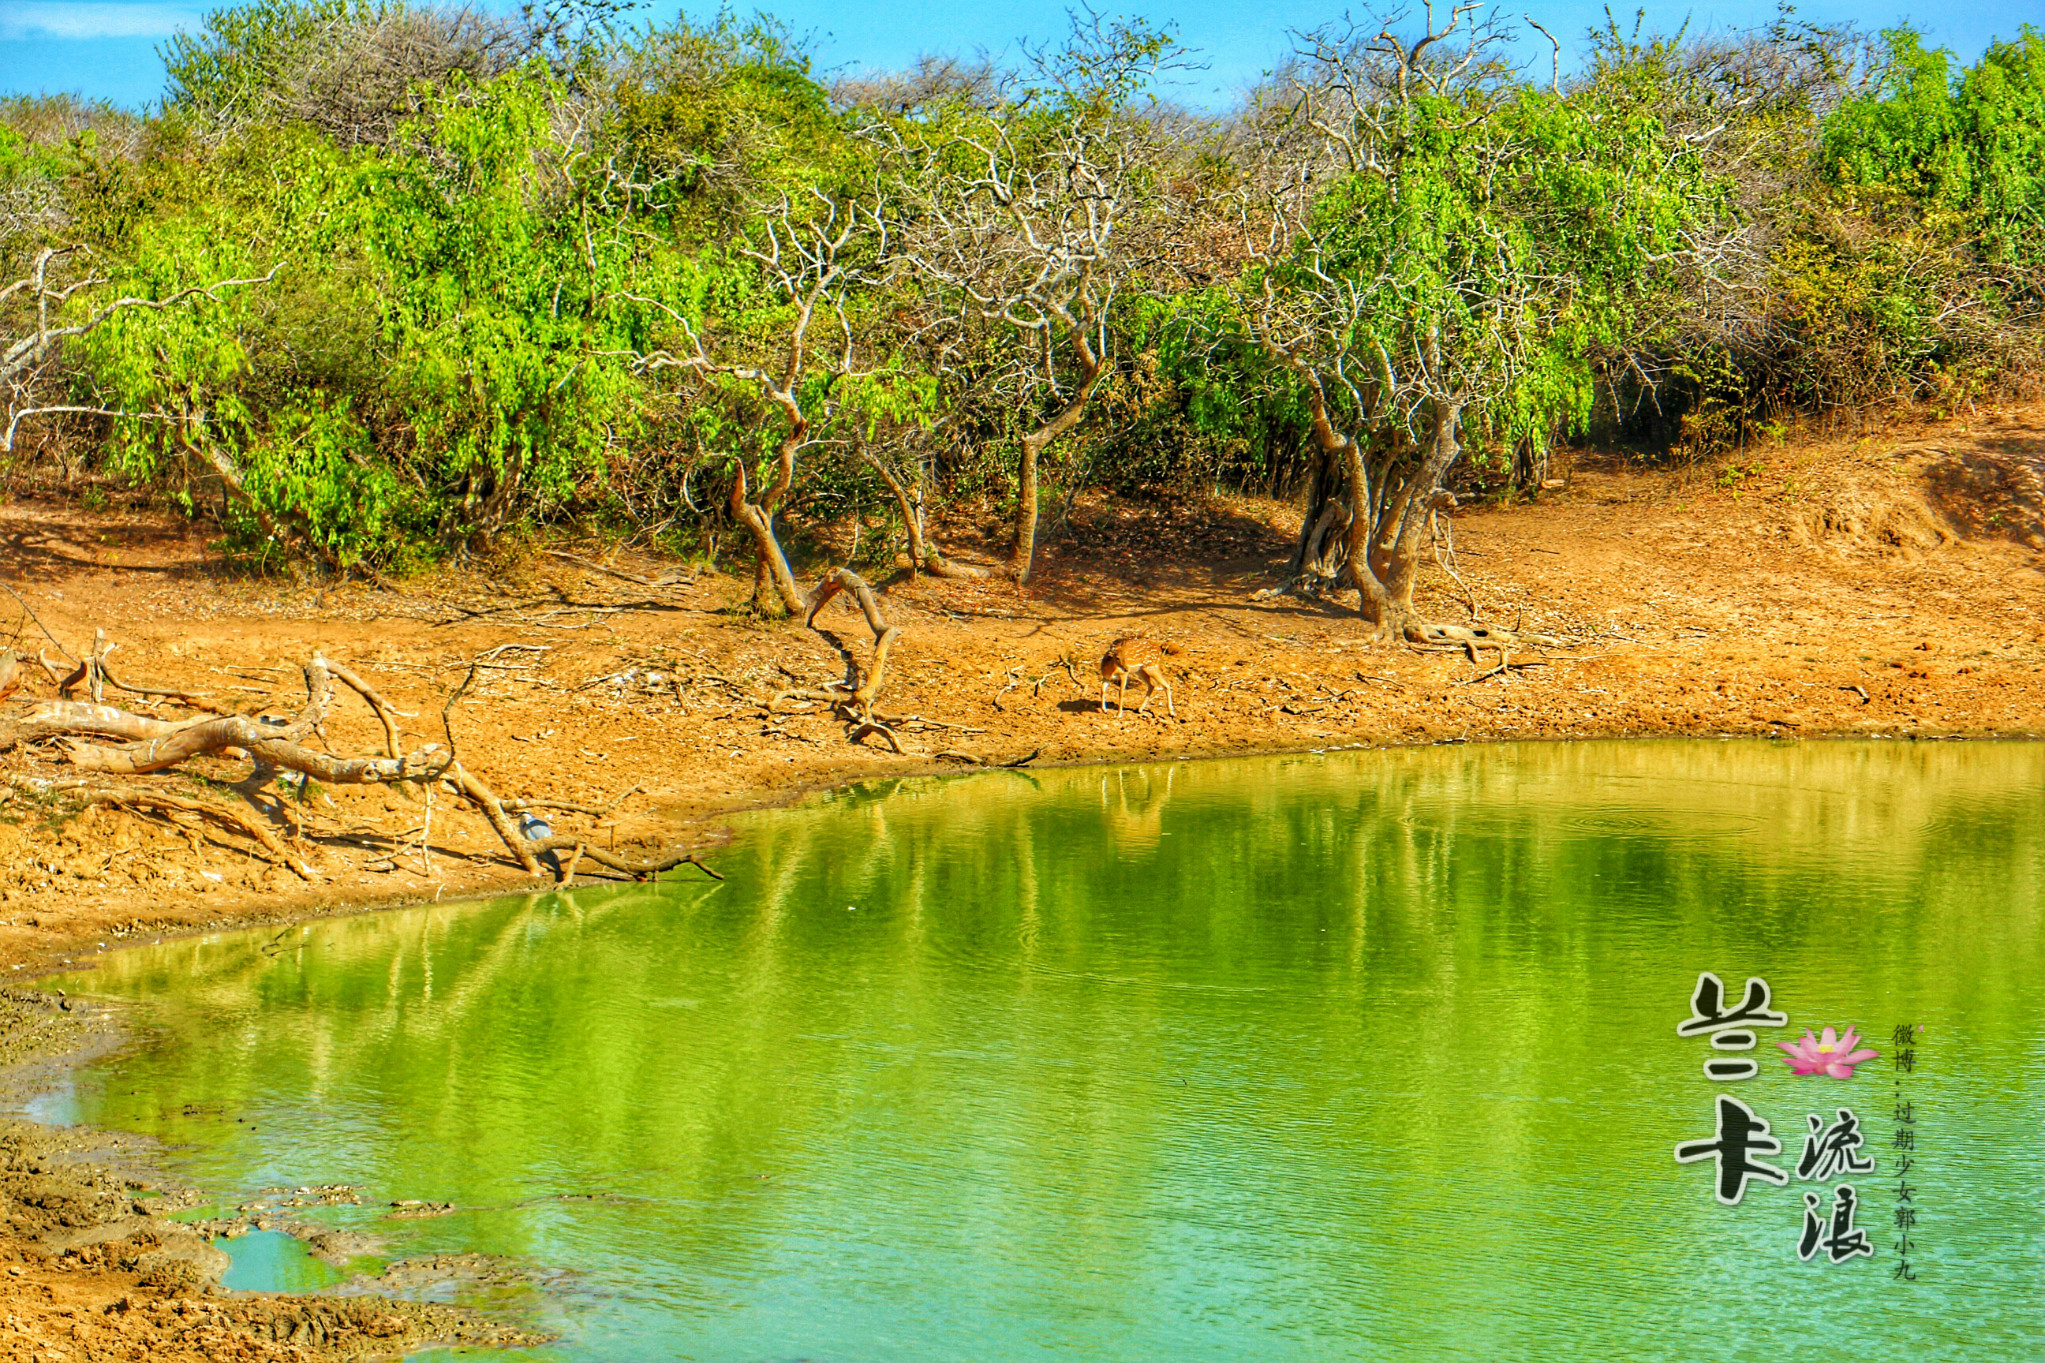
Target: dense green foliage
x=463, y=277
x=1969, y=153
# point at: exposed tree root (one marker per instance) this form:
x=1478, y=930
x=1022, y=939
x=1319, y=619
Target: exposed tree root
x=937, y=565
x=874, y=726
x=1470, y=638
x=853, y=697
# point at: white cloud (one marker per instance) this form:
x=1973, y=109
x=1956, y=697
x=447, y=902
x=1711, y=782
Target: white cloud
x=92, y=19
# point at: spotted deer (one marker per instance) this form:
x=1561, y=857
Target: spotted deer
x=1135, y=658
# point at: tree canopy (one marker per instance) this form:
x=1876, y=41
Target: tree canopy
x=382, y=283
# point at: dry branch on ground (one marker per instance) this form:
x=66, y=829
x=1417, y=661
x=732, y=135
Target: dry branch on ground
x=99, y=742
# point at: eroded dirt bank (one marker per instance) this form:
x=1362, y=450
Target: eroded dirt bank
x=1885, y=586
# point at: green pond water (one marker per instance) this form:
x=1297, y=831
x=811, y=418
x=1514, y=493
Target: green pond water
x=1354, y=1056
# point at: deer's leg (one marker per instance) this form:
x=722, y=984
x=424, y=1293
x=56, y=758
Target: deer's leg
x=1122, y=701
x=1154, y=677
x=1104, y=695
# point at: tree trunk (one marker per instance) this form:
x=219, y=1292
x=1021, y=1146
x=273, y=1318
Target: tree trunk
x=1039, y=440
x=1309, y=525
x=1026, y=506
x=922, y=554
x=768, y=558
x=487, y=520
x=1384, y=550
x=231, y=483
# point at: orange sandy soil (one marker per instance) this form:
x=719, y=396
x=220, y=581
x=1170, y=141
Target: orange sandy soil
x=1888, y=585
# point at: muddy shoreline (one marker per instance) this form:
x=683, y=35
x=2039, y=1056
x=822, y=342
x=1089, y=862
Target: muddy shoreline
x=17, y=1074
x=507, y=881
x=93, y=1265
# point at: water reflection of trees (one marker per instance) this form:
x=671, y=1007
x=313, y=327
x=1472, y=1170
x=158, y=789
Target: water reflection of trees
x=1035, y=998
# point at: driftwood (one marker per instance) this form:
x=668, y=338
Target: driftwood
x=100, y=741
x=650, y=866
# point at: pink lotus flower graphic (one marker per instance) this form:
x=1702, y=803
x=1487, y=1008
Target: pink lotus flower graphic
x=1831, y=1053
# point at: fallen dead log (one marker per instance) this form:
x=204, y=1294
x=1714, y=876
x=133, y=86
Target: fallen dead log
x=158, y=745
x=145, y=745
x=387, y=714
x=57, y=718
x=493, y=810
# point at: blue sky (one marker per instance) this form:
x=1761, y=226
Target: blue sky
x=106, y=49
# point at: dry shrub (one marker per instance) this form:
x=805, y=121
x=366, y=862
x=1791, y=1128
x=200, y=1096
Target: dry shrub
x=372, y=76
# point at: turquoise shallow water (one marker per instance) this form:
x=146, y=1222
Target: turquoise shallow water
x=1361, y=1056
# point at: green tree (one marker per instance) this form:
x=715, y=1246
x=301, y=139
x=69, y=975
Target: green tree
x=1971, y=150
x=1035, y=213
x=1432, y=246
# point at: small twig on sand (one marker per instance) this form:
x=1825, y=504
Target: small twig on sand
x=1014, y=675
x=1441, y=533
x=1066, y=664
x=131, y=798
x=669, y=579
x=426, y=834
x=978, y=761
x=1505, y=663
x=38, y=620
x=594, y=811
